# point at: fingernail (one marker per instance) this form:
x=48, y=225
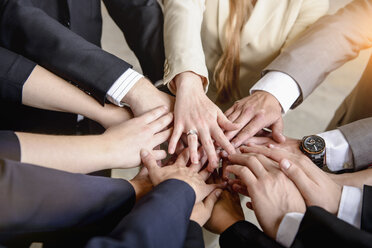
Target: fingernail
x=285, y=164
x=271, y=146
x=144, y=153
x=218, y=193
x=165, y=107
x=224, y=154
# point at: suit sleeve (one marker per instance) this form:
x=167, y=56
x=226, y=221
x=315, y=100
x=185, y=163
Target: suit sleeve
x=326, y=45
x=244, y=234
x=141, y=22
x=194, y=237
x=46, y=205
x=319, y=228
x=182, y=40
x=359, y=136
x=10, y=147
x=159, y=219
x=29, y=31
x=14, y=71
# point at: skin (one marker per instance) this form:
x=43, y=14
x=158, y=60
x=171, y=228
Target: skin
x=316, y=187
x=195, y=111
x=356, y=179
x=267, y=187
x=252, y=113
x=118, y=147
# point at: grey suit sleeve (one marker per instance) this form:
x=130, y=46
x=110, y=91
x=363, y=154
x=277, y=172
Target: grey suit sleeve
x=326, y=45
x=9, y=146
x=359, y=136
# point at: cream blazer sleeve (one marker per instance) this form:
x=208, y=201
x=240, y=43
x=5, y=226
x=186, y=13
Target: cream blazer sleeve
x=311, y=11
x=182, y=41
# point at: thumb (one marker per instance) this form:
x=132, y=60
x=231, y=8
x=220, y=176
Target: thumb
x=211, y=199
x=148, y=160
x=225, y=123
x=277, y=131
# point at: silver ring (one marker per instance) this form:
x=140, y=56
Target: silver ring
x=192, y=131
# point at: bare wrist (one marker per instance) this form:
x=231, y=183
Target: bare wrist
x=188, y=80
x=143, y=85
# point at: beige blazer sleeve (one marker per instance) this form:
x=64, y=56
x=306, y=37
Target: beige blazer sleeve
x=326, y=45
x=359, y=136
x=182, y=41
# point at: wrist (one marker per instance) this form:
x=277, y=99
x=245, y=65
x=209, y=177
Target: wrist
x=269, y=98
x=135, y=93
x=188, y=81
x=141, y=187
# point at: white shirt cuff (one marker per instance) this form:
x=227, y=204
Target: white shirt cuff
x=281, y=86
x=350, y=209
x=338, y=153
x=122, y=86
x=288, y=228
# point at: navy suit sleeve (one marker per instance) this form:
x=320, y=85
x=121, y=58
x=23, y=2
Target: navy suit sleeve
x=194, y=237
x=160, y=219
x=14, y=71
x=244, y=234
x=9, y=146
x=29, y=31
x=45, y=205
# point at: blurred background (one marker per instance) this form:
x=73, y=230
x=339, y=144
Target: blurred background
x=310, y=118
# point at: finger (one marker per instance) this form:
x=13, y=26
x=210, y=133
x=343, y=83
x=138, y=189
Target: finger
x=251, y=162
x=225, y=123
x=204, y=174
x=221, y=139
x=211, y=199
x=249, y=205
x=260, y=140
x=177, y=132
x=277, y=131
x=192, y=141
x=197, y=167
x=180, y=147
x=161, y=137
x=208, y=146
x=240, y=189
x=161, y=123
x=275, y=154
x=225, y=174
x=159, y=154
x=154, y=114
x=255, y=125
x=230, y=110
x=298, y=177
x=243, y=173
x=243, y=119
x=233, y=116
x=148, y=160
x=183, y=158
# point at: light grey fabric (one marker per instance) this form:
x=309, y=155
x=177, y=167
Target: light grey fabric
x=359, y=136
x=326, y=45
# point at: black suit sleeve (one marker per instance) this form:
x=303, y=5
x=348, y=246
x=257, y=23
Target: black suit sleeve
x=244, y=234
x=14, y=71
x=45, y=205
x=29, y=31
x=9, y=146
x=194, y=236
x=142, y=24
x=159, y=219
x=319, y=228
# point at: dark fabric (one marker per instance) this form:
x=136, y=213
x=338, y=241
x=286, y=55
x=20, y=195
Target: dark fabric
x=159, y=219
x=319, y=228
x=366, y=221
x=142, y=24
x=14, y=71
x=45, y=205
x=9, y=146
x=245, y=234
x=194, y=238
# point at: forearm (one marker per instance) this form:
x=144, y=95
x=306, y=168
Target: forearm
x=355, y=179
x=79, y=154
x=45, y=90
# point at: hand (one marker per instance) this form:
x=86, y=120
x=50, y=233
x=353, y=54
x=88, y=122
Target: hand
x=178, y=171
x=226, y=212
x=112, y=115
x=195, y=111
x=124, y=142
x=202, y=211
x=141, y=183
x=291, y=145
x=252, y=113
x=317, y=188
x=144, y=96
x=273, y=195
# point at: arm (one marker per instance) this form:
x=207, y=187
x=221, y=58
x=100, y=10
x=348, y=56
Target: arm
x=40, y=204
x=118, y=147
x=332, y=40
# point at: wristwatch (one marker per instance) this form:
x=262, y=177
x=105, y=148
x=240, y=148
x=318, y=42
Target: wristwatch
x=314, y=146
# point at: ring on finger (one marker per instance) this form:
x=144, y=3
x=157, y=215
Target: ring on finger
x=191, y=132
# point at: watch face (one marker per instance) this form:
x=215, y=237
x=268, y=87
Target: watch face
x=314, y=144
